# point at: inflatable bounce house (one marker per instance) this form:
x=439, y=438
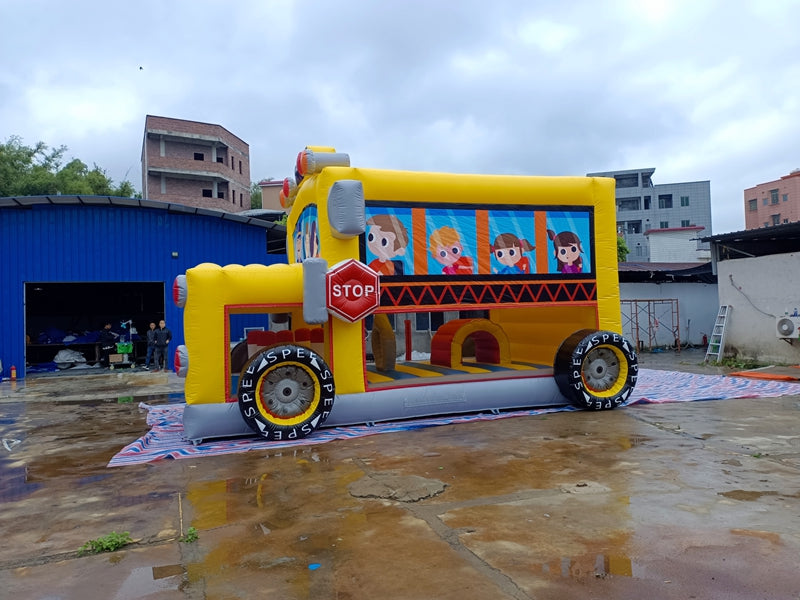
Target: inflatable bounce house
x=515, y=276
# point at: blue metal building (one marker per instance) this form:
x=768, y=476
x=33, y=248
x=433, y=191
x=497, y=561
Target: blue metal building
x=98, y=258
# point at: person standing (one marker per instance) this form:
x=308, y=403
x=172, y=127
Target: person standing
x=151, y=346
x=163, y=337
x=107, y=340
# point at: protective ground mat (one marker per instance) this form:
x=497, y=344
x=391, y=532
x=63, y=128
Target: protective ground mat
x=772, y=372
x=165, y=440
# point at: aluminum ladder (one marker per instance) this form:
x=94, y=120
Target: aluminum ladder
x=716, y=345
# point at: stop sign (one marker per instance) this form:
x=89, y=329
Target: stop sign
x=352, y=290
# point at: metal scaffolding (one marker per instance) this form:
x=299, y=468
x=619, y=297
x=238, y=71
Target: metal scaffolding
x=652, y=323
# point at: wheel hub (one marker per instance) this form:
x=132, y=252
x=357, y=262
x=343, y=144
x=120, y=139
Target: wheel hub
x=287, y=391
x=601, y=369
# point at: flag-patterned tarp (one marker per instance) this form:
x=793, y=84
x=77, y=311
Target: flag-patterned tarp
x=166, y=440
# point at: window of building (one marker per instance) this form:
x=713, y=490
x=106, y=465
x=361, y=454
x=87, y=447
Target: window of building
x=473, y=314
x=231, y=162
x=647, y=202
x=686, y=223
x=773, y=194
x=786, y=220
x=369, y=321
x=786, y=197
x=221, y=195
x=233, y=196
x=199, y=156
x=646, y=182
x=752, y=204
x=684, y=200
x=220, y=159
x=633, y=227
x=665, y=201
x=766, y=223
x=776, y=219
x=240, y=167
x=632, y=203
x=627, y=181
x=664, y=224
x=766, y=201
x=428, y=321
x=207, y=194
x=639, y=251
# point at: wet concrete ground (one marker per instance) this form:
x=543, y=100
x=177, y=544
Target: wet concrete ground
x=698, y=500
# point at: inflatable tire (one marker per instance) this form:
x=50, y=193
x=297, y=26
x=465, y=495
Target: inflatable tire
x=596, y=370
x=285, y=392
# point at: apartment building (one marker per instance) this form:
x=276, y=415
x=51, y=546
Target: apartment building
x=645, y=208
x=196, y=164
x=773, y=203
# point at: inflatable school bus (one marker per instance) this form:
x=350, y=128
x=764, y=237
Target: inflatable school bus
x=515, y=276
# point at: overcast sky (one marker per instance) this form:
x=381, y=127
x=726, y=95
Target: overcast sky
x=698, y=89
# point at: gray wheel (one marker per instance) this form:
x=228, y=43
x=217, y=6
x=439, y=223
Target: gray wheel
x=596, y=370
x=601, y=369
x=285, y=392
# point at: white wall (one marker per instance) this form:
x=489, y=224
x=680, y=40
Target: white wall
x=676, y=246
x=697, y=309
x=760, y=289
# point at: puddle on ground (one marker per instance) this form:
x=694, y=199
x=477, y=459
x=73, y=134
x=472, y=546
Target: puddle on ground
x=581, y=568
x=167, y=571
x=142, y=582
x=769, y=536
x=747, y=495
x=13, y=483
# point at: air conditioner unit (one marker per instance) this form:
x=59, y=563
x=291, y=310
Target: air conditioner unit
x=787, y=327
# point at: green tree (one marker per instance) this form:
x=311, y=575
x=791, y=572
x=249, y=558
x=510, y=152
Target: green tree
x=255, y=195
x=622, y=249
x=37, y=170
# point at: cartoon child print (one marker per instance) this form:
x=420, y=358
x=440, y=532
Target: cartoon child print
x=446, y=248
x=508, y=250
x=306, y=236
x=568, y=250
x=311, y=240
x=387, y=238
x=298, y=245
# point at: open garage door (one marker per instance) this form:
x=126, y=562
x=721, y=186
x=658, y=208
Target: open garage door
x=62, y=316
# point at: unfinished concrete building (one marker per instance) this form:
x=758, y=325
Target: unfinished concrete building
x=196, y=164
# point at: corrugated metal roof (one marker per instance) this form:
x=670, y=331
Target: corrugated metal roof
x=25, y=201
x=666, y=272
x=784, y=231
x=658, y=266
x=764, y=241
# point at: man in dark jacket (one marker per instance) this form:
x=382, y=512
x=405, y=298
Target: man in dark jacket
x=107, y=340
x=151, y=346
x=163, y=337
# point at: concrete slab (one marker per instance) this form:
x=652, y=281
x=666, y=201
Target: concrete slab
x=664, y=501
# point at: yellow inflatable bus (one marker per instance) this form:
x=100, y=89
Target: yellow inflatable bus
x=410, y=294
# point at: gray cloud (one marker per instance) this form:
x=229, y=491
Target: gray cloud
x=698, y=90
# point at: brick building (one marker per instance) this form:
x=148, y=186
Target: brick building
x=195, y=164
x=773, y=203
